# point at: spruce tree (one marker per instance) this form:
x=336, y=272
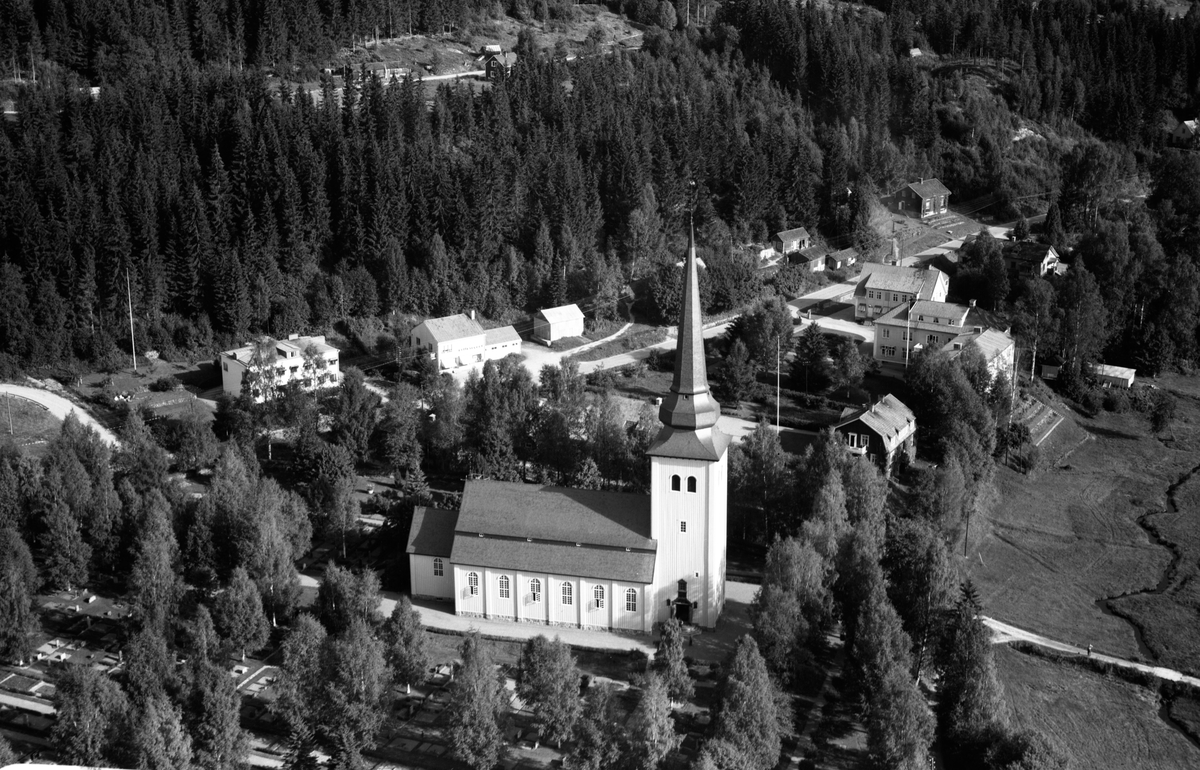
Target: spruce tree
x=18, y=589
x=406, y=645
x=669, y=663
x=750, y=716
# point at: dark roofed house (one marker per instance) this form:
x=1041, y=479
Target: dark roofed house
x=880, y=432
x=812, y=257
x=840, y=259
x=791, y=240
x=1027, y=258
x=925, y=198
x=498, y=64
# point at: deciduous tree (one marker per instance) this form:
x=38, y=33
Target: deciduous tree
x=476, y=700
x=356, y=691
x=92, y=719
x=650, y=728
x=239, y=616
x=548, y=681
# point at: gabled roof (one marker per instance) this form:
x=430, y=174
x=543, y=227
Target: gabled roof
x=889, y=418
x=919, y=281
x=560, y=314
x=925, y=310
x=795, y=234
x=1029, y=252
x=452, y=327
x=901, y=316
x=565, y=559
x=850, y=253
x=432, y=531
x=1108, y=370
x=295, y=345
x=501, y=508
x=500, y=335
x=928, y=188
x=561, y=531
x=991, y=343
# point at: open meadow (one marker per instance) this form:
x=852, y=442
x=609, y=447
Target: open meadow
x=1103, y=722
x=1072, y=548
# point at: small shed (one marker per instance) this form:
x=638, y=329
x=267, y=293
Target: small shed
x=789, y=241
x=557, y=323
x=840, y=259
x=1113, y=376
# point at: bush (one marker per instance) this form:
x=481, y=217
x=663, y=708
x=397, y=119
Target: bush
x=1116, y=401
x=165, y=384
x=1091, y=401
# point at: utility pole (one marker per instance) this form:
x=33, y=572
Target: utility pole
x=129, y=299
x=8, y=400
x=778, y=342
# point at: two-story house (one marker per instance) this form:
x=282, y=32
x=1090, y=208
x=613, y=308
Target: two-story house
x=459, y=340
x=907, y=328
x=925, y=198
x=1027, y=258
x=264, y=366
x=880, y=432
x=884, y=287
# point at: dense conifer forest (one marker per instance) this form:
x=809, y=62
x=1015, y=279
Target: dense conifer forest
x=231, y=205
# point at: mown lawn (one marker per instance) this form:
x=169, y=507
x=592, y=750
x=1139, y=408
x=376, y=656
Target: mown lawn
x=1103, y=722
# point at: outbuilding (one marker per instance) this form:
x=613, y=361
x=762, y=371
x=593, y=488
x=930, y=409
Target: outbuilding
x=557, y=323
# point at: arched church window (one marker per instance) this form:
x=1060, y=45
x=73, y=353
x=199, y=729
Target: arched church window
x=535, y=589
x=630, y=600
x=473, y=583
x=598, y=595
x=504, y=592
x=568, y=595
x=438, y=568
x=675, y=483
x=691, y=483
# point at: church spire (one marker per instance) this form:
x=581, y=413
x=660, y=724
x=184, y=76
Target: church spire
x=690, y=405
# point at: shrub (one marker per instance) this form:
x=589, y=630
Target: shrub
x=1116, y=401
x=165, y=384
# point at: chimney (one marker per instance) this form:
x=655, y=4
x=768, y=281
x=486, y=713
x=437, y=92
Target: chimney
x=472, y=312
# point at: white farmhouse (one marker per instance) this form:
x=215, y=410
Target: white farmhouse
x=264, y=366
x=459, y=340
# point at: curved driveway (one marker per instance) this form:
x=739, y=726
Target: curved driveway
x=60, y=408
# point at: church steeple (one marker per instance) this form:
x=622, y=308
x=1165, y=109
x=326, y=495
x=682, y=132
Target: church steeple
x=690, y=405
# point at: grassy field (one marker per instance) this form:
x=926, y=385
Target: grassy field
x=1067, y=537
x=32, y=425
x=1168, y=619
x=1102, y=722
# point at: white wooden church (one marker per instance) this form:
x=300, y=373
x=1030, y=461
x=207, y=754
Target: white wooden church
x=590, y=559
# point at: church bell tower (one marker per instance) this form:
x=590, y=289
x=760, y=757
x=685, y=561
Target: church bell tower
x=689, y=478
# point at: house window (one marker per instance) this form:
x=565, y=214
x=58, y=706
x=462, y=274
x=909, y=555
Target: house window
x=630, y=600
x=598, y=595
x=887, y=333
x=932, y=339
x=535, y=590
x=888, y=350
x=568, y=596
x=895, y=298
x=439, y=568
x=473, y=583
x=683, y=526
x=504, y=592
x=225, y=366
x=675, y=483
x=691, y=483
x=877, y=310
